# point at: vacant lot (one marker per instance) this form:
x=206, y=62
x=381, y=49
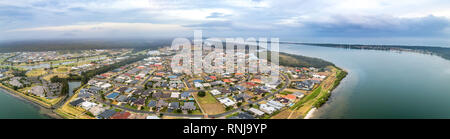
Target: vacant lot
x=61, y=70
x=36, y=72
x=209, y=104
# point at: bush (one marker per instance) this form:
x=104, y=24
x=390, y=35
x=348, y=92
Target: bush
x=239, y=104
x=178, y=111
x=201, y=94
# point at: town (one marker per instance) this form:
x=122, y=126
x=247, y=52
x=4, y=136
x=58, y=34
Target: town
x=141, y=84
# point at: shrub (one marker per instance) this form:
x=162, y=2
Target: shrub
x=201, y=94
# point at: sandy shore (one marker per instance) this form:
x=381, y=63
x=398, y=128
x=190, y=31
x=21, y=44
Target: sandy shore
x=310, y=114
x=43, y=110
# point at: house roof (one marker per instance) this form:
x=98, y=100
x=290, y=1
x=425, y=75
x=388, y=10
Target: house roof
x=185, y=94
x=122, y=89
x=243, y=115
x=122, y=98
x=76, y=102
x=189, y=106
x=112, y=95
x=121, y=115
x=140, y=101
x=107, y=114
x=174, y=105
x=152, y=103
x=291, y=97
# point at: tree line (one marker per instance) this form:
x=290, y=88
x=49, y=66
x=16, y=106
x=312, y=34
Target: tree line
x=87, y=75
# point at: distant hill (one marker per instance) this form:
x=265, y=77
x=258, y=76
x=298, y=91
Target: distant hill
x=52, y=45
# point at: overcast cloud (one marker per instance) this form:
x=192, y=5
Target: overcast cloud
x=24, y=19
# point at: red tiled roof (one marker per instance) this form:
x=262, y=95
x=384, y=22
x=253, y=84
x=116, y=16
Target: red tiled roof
x=290, y=96
x=251, y=84
x=213, y=77
x=121, y=115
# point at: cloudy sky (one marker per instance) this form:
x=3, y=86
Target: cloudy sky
x=289, y=19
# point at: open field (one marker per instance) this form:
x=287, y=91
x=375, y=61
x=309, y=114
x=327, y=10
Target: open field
x=209, y=104
x=36, y=72
x=61, y=70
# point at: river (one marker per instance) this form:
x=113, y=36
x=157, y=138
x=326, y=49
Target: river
x=14, y=108
x=384, y=84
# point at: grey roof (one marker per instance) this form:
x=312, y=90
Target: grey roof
x=106, y=114
x=152, y=103
x=140, y=101
x=122, y=98
x=185, y=94
x=242, y=115
x=174, y=105
x=161, y=103
x=189, y=106
x=76, y=102
x=122, y=89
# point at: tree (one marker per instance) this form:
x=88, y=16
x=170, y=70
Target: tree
x=178, y=111
x=228, y=108
x=239, y=104
x=201, y=94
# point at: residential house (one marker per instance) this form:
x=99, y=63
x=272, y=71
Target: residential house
x=174, y=105
x=38, y=91
x=152, y=103
x=215, y=92
x=121, y=115
x=243, y=115
x=226, y=101
x=185, y=95
x=161, y=103
x=76, y=102
x=256, y=112
x=106, y=114
x=189, y=106
x=175, y=95
x=267, y=108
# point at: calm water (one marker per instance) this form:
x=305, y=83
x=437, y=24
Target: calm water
x=13, y=108
x=384, y=84
x=72, y=86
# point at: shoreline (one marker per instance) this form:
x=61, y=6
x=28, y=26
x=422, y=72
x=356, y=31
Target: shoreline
x=338, y=80
x=310, y=114
x=42, y=110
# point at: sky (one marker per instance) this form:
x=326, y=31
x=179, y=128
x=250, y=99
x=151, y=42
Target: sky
x=286, y=19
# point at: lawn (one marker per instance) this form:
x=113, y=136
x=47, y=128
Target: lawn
x=208, y=98
x=209, y=104
x=61, y=70
x=36, y=72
